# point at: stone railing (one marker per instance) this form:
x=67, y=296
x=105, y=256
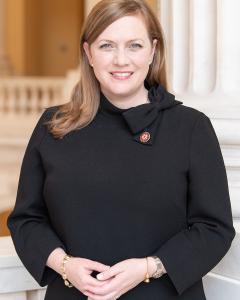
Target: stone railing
x=23, y=95
x=23, y=287
x=22, y=99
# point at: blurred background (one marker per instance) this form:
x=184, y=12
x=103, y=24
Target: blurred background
x=39, y=56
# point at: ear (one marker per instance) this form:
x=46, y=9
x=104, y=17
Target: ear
x=88, y=52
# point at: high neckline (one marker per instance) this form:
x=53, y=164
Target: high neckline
x=142, y=120
x=107, y=106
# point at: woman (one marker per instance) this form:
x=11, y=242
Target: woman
x=122, y=181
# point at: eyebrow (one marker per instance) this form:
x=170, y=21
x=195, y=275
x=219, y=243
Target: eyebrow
x=127, y=41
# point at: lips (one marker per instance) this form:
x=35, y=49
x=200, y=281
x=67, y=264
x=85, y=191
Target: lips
x=121, y=72
x=121, y=75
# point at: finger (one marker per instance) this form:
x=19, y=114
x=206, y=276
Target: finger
x=110, y=286
x=124, y=290
x=113, y=271
x=111, y=295
x=97, y=266
x=91, y=281
x=113, y=290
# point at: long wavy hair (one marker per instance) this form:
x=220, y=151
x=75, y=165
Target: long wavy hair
x=85, y=96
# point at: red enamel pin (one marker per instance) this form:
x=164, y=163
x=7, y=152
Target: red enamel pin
x=145, y=136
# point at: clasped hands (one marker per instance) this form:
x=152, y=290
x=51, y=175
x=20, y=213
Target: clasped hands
x=111, y=282
x=119, y=279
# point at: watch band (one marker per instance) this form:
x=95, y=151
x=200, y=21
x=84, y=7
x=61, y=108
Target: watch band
x=159, y=272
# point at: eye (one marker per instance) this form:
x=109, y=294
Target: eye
x=137, y=45
x=104, y=46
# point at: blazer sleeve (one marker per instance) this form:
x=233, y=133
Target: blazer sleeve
x=30, y=228
x=194, y=251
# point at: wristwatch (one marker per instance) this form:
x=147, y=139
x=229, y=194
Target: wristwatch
x=159, y=272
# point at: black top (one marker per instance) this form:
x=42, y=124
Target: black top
x=107, y=192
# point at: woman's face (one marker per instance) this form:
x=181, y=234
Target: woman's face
x=123, y=46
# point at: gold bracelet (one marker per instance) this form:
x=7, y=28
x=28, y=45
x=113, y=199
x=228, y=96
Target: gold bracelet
x=64, y=276
x=147, y=277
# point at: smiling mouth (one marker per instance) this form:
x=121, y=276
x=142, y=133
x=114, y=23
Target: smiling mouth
x=122, y=76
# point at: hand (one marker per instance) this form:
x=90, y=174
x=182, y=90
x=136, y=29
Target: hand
x=78, y=272
x=121, y=277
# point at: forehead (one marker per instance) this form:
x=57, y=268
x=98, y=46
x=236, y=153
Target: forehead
x=126, y=28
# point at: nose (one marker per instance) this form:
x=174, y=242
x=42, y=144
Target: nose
x=120, y=57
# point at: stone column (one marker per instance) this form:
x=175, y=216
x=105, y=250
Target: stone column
x=203, y=51
x=4, y=62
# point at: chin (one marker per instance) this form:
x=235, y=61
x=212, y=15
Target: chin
x=121, y=91
x=117, y=88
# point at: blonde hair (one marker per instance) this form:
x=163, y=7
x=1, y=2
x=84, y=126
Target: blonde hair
x=85, y=96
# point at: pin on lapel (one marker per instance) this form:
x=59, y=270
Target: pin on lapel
x=144, y=137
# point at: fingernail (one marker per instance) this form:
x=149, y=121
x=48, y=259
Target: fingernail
x=100, y=276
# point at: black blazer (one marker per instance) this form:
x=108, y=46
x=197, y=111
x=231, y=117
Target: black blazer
x=108, y=192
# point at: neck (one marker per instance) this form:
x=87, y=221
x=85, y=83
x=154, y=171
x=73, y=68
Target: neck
x=124, y=102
